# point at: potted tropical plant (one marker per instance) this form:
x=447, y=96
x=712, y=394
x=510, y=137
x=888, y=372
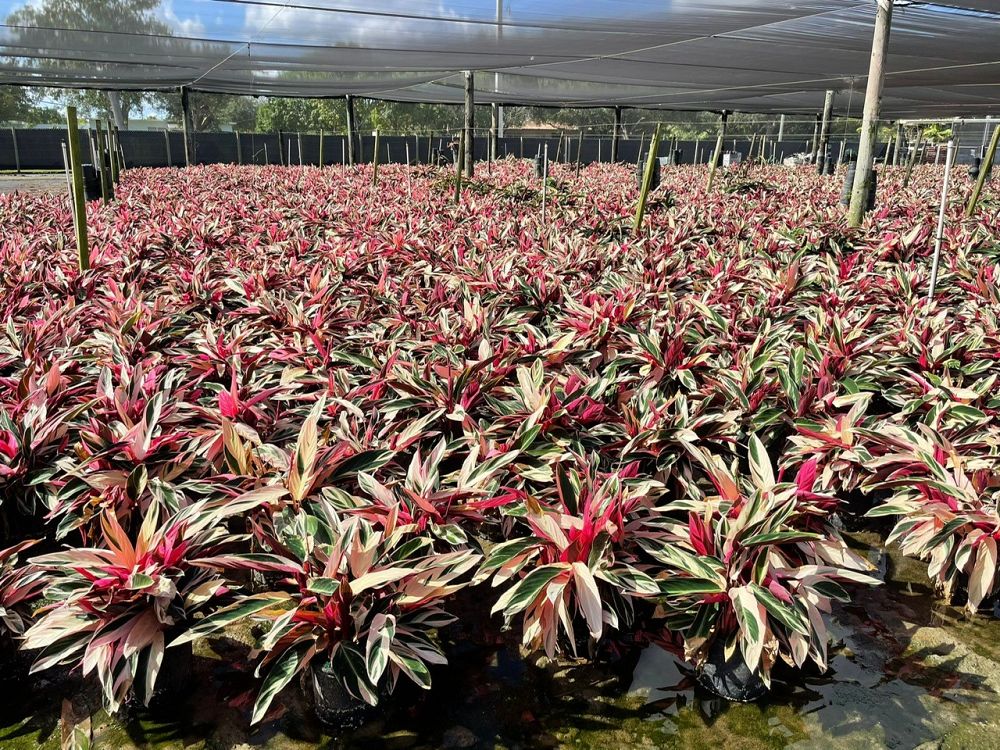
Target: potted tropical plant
x=748, y=574
x=575, y=563
x=112, y=607
x=20, y=585
x=353, y=609
x=945, y=496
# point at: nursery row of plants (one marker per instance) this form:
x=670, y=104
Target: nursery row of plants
x=296, y=400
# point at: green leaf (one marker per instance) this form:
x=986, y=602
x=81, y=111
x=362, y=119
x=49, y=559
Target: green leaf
x=760, y=464
x=280, y=674
x=681, y=587
x=503, y=553
x=233, y=613
x=784, y=613
x=780, y=537
x=524, y=592
x=380, y=636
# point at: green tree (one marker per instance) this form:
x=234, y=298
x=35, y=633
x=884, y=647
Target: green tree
x=33, y=29
x=19, y=106
x=212, y=112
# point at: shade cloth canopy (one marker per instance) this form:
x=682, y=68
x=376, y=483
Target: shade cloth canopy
x=743, y=55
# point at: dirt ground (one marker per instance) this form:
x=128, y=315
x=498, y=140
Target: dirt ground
x=33, y=183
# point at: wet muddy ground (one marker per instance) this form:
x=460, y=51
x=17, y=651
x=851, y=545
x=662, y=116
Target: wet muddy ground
x=906, y=672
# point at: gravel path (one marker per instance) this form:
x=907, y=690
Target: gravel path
x=33, y=183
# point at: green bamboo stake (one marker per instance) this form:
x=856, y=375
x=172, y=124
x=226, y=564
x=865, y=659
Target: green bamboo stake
x=716, y=156
x=103, y=165
x=375, y=161
x=647, y=180
x=79, y=199
x=112, y=153
x=458, y=167
x=579, y=148
x=913, y=158
x=984, y=170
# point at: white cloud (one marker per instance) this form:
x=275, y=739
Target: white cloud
x=181, y=26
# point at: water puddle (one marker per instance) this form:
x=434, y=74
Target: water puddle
x=906, y=672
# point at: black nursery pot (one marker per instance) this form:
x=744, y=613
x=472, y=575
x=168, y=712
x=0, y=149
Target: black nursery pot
x=334, y=706
x=731, y=679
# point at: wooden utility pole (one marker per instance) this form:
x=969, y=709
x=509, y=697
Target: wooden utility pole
x=616, y=134
x=190, y=155
x=470, y=123
x=349, y=102
x=869, y=120
x=824, y=133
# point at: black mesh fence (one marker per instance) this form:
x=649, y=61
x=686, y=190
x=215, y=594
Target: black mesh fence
x=42, y=148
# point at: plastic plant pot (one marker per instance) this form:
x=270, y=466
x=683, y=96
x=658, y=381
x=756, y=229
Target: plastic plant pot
x=334, y=706
x=730, y=678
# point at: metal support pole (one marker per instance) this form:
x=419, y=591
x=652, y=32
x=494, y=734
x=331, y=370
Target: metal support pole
x=349, y=103
x=897, y=154
x=409, y=185
x=190, y=154
x=616, y=134
x=781, y=129
x=869, y=122
x=239, y=149
x=939, y=236
x=17, y=153
x=166, y=145
x=545, y=181
x=321, y=136
x=375, y=161
x=298, y=143
x=79, y=199
x=470, y=123
x=494, y=131
x=824, y=133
